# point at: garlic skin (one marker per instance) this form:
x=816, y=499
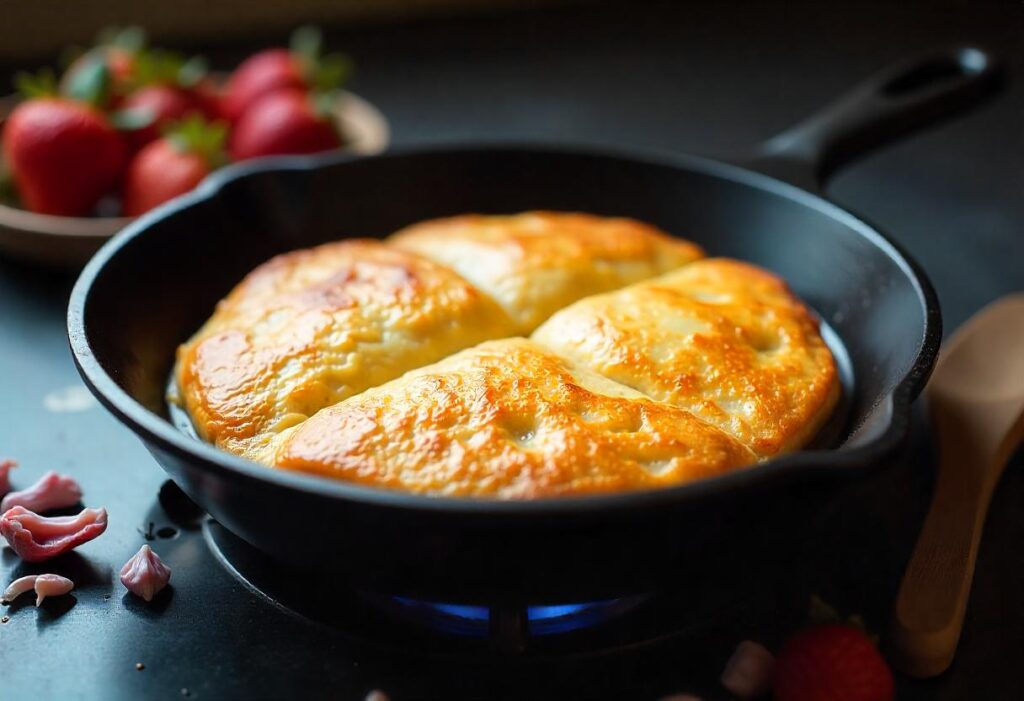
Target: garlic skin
x=37, y=538
x=145, y=574
x=18, y=587
x=52, y=491
x=748, y=673
x=51, y=585
x=5, y=476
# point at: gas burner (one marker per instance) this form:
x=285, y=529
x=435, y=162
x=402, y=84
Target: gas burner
x=533, y=630
x=479, y=621
x=510, y=628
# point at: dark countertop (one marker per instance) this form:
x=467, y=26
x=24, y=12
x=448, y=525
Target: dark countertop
x=713, y=79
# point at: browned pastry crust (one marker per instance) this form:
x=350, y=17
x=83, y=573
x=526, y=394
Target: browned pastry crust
x=708, y=368
x=310, y=328
x=723, y=339
x=511, y=420
x=535, y=263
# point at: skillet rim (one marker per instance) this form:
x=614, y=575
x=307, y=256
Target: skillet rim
x=848, y=462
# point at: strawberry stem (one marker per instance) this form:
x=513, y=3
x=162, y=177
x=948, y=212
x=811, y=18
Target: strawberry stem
x=90, y=84
x=332, y=72
x=158, y=67
x=41, y=84
x=307, y=42
x=196, y=135
x=324, y=73
x=132, y=119
x=129, y=39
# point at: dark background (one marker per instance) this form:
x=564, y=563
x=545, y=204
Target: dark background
x=713, y=78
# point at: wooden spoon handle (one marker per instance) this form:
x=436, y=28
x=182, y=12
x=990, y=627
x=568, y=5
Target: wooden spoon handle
x=933, y=596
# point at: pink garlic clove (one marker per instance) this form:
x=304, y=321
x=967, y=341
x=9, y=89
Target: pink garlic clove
x=36, y=538
x=5, y=476
x=748, y=673
x=51, y=585
x=52, y=491
x=145, y=574
x=18, y=587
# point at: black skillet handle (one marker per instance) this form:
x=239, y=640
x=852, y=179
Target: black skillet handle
x=901, y=98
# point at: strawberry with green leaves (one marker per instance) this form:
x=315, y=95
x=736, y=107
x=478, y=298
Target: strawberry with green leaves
x=170, y=89
x=173, y=165
x=300, y=68
x=62, y=152
x=117, y=49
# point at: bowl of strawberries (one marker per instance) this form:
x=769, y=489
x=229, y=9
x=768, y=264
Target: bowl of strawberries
x=127, y=127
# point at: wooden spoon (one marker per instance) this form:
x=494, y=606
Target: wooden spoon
x=976, y=399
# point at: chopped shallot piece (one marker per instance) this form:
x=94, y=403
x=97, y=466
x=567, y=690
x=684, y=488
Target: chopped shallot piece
x=52, y=491
x=52, y=585
x=36, y=538
x=5, y=470
x=44, y=585
x=18, y=587
x=748, y=673
x=377, y=695
x=145, y=574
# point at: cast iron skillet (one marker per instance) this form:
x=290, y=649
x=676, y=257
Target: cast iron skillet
x=149, y=288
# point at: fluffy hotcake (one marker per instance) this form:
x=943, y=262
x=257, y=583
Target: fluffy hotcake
x=507, y=419
x=377, y=362
x=312, y=327
x=725, y=340
x=535, y=263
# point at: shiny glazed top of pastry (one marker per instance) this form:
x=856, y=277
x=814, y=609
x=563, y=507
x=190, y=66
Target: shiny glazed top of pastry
x=535, y=263
x=508, y=419
x=310, y=328
x=722, y=339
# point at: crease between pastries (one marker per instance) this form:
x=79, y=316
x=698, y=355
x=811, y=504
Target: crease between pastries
x=512, y=420
x=535, y=263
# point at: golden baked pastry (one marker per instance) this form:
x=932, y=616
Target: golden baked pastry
x=640, y=382
x=512, y=420
x=722, y=339
x=312, y=327
x=535, y=263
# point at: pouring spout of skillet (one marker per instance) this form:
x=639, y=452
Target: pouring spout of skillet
x=150, y=288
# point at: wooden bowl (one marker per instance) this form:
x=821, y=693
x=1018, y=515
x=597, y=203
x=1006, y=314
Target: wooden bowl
x=68, y=242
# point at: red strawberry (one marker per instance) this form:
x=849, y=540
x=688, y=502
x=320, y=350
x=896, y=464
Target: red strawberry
x=832, y=663
x=159, y=105
x=207, y=95
x=283, y=123
x=300, y=68
x=172, y=165
x=63, y=155
x=259, y=75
